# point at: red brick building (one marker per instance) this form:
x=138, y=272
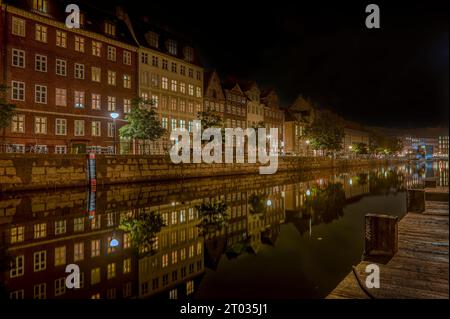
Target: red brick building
x=65, y=82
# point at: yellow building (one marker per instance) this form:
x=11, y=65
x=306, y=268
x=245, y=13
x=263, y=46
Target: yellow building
x=171, y=75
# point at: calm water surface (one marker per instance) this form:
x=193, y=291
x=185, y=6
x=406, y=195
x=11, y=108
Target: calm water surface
x=286, y=236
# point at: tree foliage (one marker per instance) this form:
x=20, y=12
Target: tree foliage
x=360, y=148
x=383, y=144
x=143, y=122
x=326, y=132
x=257, y=203
x=213, y=216
x=6, y=109
x=143, y=229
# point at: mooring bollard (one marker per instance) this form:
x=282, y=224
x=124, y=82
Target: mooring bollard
x=381, y=235
x=415, y=200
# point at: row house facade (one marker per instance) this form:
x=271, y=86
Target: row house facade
x=255, y=109
x=65, y=82
x=213, y=98
x=235, y=112
x=170, y=75
x=273, y=115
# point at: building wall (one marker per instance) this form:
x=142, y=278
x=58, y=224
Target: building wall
x=28, y=74
x=353, y=137
x=176, y=107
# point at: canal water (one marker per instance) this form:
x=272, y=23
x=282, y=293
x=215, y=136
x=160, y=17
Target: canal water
x=281, y=236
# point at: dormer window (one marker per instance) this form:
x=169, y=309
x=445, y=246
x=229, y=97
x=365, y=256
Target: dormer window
x=152, y=39
x=172, y=47
x=82, y=18
x=110, y=29
x=40, y=5
x=189, y=54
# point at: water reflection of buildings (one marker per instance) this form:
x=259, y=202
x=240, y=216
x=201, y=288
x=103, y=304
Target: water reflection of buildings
x=43, y=232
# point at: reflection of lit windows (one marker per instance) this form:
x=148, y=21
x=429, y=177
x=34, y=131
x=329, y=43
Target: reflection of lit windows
x=173, y=294
x=165, y=260
x=39, y=291
x=95, y=276
x=17, y=266
x=16, y=295
x=111, y=270
x=174, y=257
x=60, y=255
x=78, y=251
x=60, y=227
x=95, y=247
x=189, y=287
x=174, y=218
x=60, y=286
x=40, y=260
x=191, y=251
x=126, y=240
x=40, y=230
x=199, y=248
x=127, y=266
x=17, y=234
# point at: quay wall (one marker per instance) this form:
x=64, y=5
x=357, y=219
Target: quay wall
x=47, y=171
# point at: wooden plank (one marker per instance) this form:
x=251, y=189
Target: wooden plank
x=420, y=267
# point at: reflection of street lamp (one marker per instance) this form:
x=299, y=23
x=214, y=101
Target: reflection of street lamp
x=114, y=116
x=269, y=202
x=307, y=147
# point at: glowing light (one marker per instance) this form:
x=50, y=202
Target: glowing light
x=113, y=243
x=308, y=192
x=350, y=182
x=307, y=141
x=269, y=202
x=114, y=115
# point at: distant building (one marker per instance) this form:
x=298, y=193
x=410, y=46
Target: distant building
x=273, y=114
x=352, y=137
x=443, y=146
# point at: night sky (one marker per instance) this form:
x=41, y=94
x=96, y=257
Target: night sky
x=396, y=76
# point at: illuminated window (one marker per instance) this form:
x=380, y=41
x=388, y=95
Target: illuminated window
x=96, y=74
x=173, y=85
x=96, y=48
x=165, y=260
x=126, y=105
x=96, y=128
x=60, y=129
x=198, y=92
x=164, y=83
x=172, y=47
x=111, y=103
x=111, y=78
x=189, y=287
x=79, y=44
x=61, y=39
x=190, y=89
x=18, y=123
x=127, y=81
x=40, y=5
x=79, y=99
x=111, y=53
x=173, y=294
x=152, y=39
x=60, y=225
x=41, y=33
x=110, y=29
x=60, y=97
x=40, y=230
x=79, y=131
x=127, y=57
x=126, y=240
x=18, y=27
x=96, y=101
x=182, y=87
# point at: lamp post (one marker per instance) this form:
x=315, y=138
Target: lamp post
x=114, y=116
x=307, y=148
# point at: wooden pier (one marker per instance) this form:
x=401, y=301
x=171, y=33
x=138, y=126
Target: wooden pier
x=419, y=269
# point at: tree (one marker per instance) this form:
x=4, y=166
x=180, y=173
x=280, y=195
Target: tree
x=213, y=216
x=6, y=110
x=143, y=230
x=143, y=122
x=257, y=203
x=326, y=132
x=360, y=148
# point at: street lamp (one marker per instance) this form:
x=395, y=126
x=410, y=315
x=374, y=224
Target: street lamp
x=114, y=116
